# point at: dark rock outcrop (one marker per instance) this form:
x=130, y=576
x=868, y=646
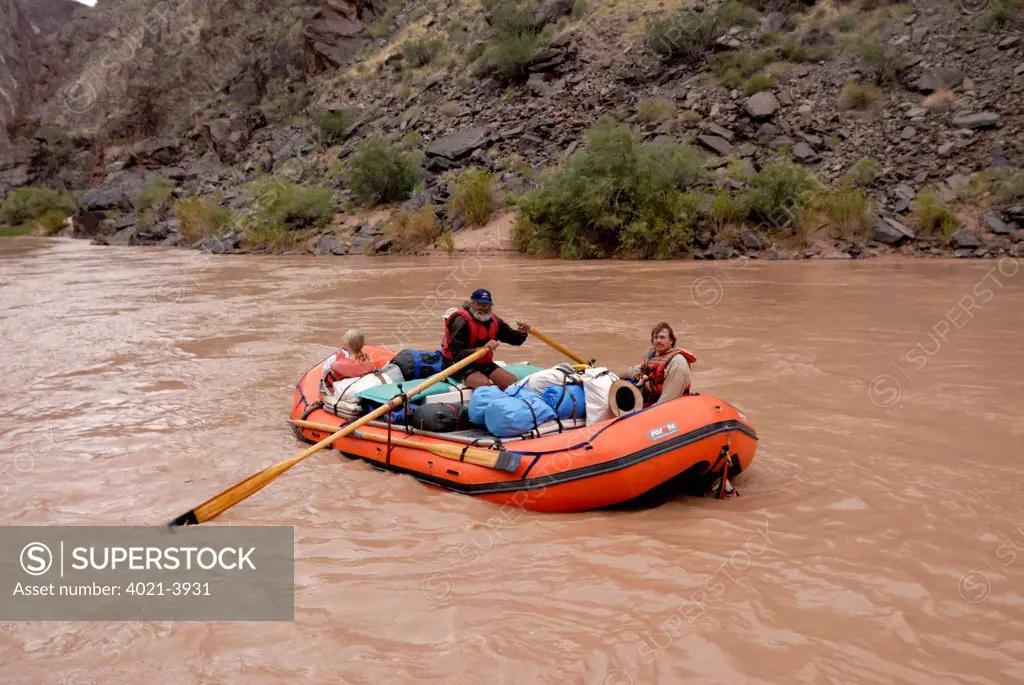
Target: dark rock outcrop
x=335, y=30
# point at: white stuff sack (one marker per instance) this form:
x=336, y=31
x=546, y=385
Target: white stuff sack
x=343, y=401
x=539, y=381
x=597, y=385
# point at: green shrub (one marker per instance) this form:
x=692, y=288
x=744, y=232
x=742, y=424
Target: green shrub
x=201, y=219
x=654, y=109
x=1010, y=190
x=508, y=59
x=796, y=50
x=279, y=207
x=52, y=221
x=155, y=195
x=758, y=82
x=1000, y=12
x=779, y=192
x=847, y=209
x=27, y=204
x=418, y=53
x=282, y=103
x=472, y=198
x=331, y=125
x=617, y=196
x=689, y=36
x=725, y=208
x=381, y=172
x=515, y=43
x=932, y=215
x=742, y=63
x=864, y=172
x=886, y=64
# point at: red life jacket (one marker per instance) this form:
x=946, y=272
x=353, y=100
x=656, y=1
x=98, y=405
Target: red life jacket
x=479, y=333
x=343, y=367
x=654, y=369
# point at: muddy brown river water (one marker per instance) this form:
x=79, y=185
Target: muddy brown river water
x=878, y=536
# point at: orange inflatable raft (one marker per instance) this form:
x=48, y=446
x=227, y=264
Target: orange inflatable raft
x=682, y=446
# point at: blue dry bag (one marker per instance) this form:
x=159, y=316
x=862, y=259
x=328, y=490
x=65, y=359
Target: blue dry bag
x=508, y=417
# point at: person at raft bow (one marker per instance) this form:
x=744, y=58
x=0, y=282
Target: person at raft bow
x=348, y=362
x=665, y=372
x=474, y=326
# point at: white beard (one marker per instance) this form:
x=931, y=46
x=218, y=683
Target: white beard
x=482, y=318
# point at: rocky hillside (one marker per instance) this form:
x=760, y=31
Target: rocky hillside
x=805, y=128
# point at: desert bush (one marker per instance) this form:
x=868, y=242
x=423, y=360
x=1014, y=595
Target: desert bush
x=617, y=196
x=381, y=172
x=859, y=96
x=155, y=195
x=284, y=101
x=744, y=64
x=414, y=231
x=654, y=109
x=758, y=82
x=1000, y=12
x=472, y=197
x=864, y=172
x=885, y=63
x=690, y=35
x=932, y=215
x=515, y=43
x=419, y=53
x=847, y=209
x=726, y=207
x=279, y=207
x=332, y=124
x=779, y=192
x=797, y=50
x=27, y=204
x=201, y=219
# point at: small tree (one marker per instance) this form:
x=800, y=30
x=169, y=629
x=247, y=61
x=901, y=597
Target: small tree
x=380, y=172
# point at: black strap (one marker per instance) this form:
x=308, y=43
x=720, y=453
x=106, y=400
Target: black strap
x=532, y=413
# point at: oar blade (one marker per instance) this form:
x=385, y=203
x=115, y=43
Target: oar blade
x=507, y=461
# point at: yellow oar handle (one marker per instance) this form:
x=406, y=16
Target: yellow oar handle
x=561, y=348
x=218, y=504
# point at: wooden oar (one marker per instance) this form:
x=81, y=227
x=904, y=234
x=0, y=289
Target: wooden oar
x=561, y=348
x=502, y=459
x=235, y=494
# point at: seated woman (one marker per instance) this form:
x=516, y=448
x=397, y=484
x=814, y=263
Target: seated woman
x=350, y=361
x=665, y=372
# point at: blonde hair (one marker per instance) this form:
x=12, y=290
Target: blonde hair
x=354, y=342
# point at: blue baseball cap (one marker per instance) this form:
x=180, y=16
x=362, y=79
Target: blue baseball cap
x=481, y=295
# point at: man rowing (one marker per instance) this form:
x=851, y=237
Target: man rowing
x=474, y=326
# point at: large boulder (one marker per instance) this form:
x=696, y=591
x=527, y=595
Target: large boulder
x=459, y=144
x=891, y=232
x=155, y=152
x=334, y=30
x=117, y=191
x=229, y=136
x=963, y=238
x=977, y=121
x=938, y=78
x=762, y=105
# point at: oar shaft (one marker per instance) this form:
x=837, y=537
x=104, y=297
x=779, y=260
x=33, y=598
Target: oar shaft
x=561, y=348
